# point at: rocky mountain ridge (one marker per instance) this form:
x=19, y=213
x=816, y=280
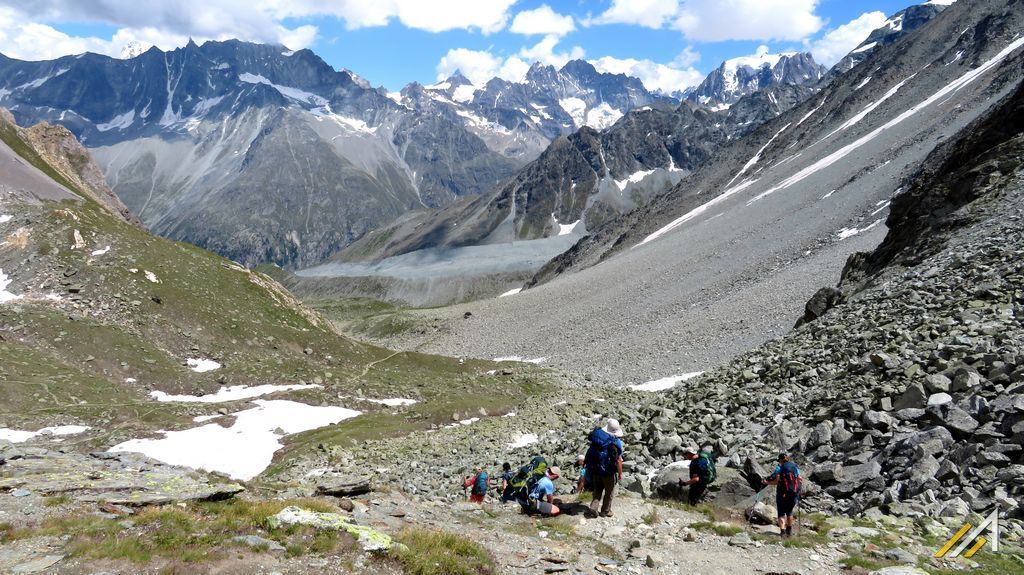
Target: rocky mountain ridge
x=739, y=77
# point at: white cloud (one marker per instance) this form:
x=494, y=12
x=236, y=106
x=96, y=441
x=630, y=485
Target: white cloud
x=717, y=20
x=542, y=20
x=440, y=15
x=29, y=32
x=23, y=37
x=479, y=66
x=648, y=13
x=686, y=58
x=544, y=52
x=656, y=77
x=838, y=42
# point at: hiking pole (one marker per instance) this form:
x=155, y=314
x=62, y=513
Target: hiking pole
x=799, y=514
x=757, y=498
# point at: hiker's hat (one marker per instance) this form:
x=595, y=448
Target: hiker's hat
x=581, y=457
x=554, y=472
x=690, y=450
x=612, y=427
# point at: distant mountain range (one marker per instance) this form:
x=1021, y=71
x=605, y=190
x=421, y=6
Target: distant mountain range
x=263, y=154
x=576, y=198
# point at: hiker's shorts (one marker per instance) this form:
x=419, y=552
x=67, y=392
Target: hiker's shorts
x=786, y=504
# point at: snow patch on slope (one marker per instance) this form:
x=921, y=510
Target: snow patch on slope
x=229, y=393
x=953, y=86
x=464, y=93
x=576, y=109
x=18, y=436
x=665, y=382
x=120, y=122
x=286, y=91
x=243, y=450
x=635, y=178
x=602, y=116
x=6, y=296
x=202, y=365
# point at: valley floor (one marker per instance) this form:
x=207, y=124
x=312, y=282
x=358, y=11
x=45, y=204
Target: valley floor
x=597, y=338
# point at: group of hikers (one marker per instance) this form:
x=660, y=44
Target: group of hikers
x=599, y=470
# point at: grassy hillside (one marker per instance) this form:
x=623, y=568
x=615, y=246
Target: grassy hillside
x=92, y=335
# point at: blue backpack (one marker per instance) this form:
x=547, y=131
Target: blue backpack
x=480, y=485
x=603, y=455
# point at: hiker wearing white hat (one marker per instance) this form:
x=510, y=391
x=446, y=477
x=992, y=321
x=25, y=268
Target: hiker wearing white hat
x=604, y=464
x=612, y=427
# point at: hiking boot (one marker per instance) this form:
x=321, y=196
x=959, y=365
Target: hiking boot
x=606, y=514
x=789, y=531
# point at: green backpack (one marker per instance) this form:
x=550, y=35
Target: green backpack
x=706, y=467
x=522, y=482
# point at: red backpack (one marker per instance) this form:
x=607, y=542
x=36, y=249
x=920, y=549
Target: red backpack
x=789, y=479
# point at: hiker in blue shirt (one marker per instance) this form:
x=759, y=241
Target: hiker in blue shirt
x=581, y=483
x=787, y=493
x=542, y=498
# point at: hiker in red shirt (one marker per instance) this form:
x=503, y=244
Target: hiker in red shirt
x=478, y=485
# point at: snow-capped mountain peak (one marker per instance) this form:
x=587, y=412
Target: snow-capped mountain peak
x=738, y=77
x=761, y=58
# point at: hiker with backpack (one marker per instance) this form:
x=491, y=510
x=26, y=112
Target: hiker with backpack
x=506, y=475
x=786, y=478
x=478, y=485
x=581, y=467
x=603, y=463
x=542, y=496
x=702, y=474
x=521, y=483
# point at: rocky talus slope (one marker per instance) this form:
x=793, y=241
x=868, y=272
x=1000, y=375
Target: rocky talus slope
x=907, y=397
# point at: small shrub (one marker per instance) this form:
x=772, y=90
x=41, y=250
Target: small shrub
x=651, y=517
x=717, y=528
x=607, y=551
x=57, y=500
x=430, y=552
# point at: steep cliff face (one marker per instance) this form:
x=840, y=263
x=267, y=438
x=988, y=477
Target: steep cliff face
x=58, y=150
x=929, y=207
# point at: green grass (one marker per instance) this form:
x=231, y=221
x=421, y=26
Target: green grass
x=193, y=534
x=429, y=552
x=367, y=317
x=864, y=562
x=557, y=527
x=57, y=500
x=717, y=528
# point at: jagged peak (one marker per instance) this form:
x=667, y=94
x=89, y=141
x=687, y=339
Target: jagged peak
x=579, y=66
x=458, y=79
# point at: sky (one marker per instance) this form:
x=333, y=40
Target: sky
x=668, y=44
